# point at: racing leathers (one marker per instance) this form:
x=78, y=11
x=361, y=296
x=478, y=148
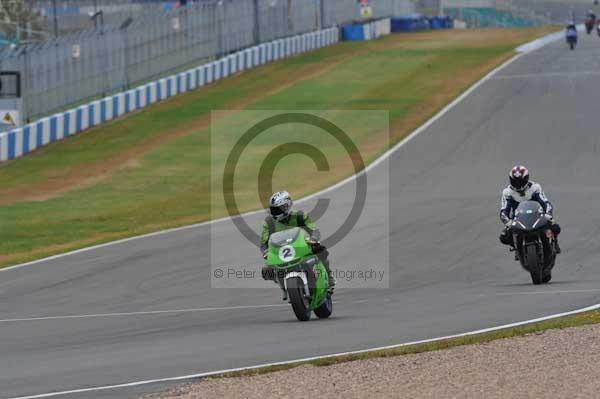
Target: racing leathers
x=571, y=32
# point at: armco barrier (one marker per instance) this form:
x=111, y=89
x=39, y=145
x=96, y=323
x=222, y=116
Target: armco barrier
x=18, y=142
x=383, y=27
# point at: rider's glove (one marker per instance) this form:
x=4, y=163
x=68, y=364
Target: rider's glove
x=267, y=273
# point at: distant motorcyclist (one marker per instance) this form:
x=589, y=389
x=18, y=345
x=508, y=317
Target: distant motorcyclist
x=571, y=34
x=282, y=217
x=571, y=29
x=590, y=21
x=519, y=190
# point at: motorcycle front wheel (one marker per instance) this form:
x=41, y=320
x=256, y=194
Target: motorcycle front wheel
x=547, y=277
x=326, y=308
x=300, y=304
x=533, y=264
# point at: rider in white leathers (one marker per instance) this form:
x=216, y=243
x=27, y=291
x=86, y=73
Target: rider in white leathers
x=519, y=190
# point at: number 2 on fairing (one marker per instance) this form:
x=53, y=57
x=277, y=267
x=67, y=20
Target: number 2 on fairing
x=287, y=253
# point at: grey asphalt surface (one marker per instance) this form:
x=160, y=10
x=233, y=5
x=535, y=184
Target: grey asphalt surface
x=447, y=271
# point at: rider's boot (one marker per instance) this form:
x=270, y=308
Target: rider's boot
x=330, y=277
x=285, y=296
x=556, y=246
x=513, y=249
x=331, y=284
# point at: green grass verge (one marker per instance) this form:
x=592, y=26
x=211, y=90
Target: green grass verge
x=577, y=320
x=151, y=170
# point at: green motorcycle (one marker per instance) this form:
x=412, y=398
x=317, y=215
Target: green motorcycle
x=292, y=264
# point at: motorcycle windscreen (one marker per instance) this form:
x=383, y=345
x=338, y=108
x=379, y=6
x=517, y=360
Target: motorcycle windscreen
x=284, y=237
x=528, y=213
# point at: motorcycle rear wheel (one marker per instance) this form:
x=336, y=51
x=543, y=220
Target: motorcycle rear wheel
x=300, y=305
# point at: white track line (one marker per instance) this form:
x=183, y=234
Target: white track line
x=213, y=373
x=545, y=292
x=547, y=75
x=244, y=307
x=372, y=165
x=154, y=312
x=150, y=312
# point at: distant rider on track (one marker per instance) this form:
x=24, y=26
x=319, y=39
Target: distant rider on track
x=521, y=189
x=282, y=217
x=590, y=22
x=571, y=30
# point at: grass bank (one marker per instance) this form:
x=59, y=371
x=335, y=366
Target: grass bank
x=152, y=170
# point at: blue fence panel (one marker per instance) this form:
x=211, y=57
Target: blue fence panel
x=353, y=32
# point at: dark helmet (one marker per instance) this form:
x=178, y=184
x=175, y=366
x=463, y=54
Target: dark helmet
x=280, y=205
x=519, y=178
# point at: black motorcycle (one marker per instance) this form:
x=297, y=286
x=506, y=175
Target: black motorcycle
x=534, y=241
x=589, y=25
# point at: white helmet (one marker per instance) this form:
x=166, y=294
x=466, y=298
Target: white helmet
x=519, y=178
x=280, y=205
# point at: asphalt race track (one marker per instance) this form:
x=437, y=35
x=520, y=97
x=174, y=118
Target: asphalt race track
x=448, y=272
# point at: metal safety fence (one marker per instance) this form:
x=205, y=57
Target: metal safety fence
x=19, y=142
x=148, y=43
